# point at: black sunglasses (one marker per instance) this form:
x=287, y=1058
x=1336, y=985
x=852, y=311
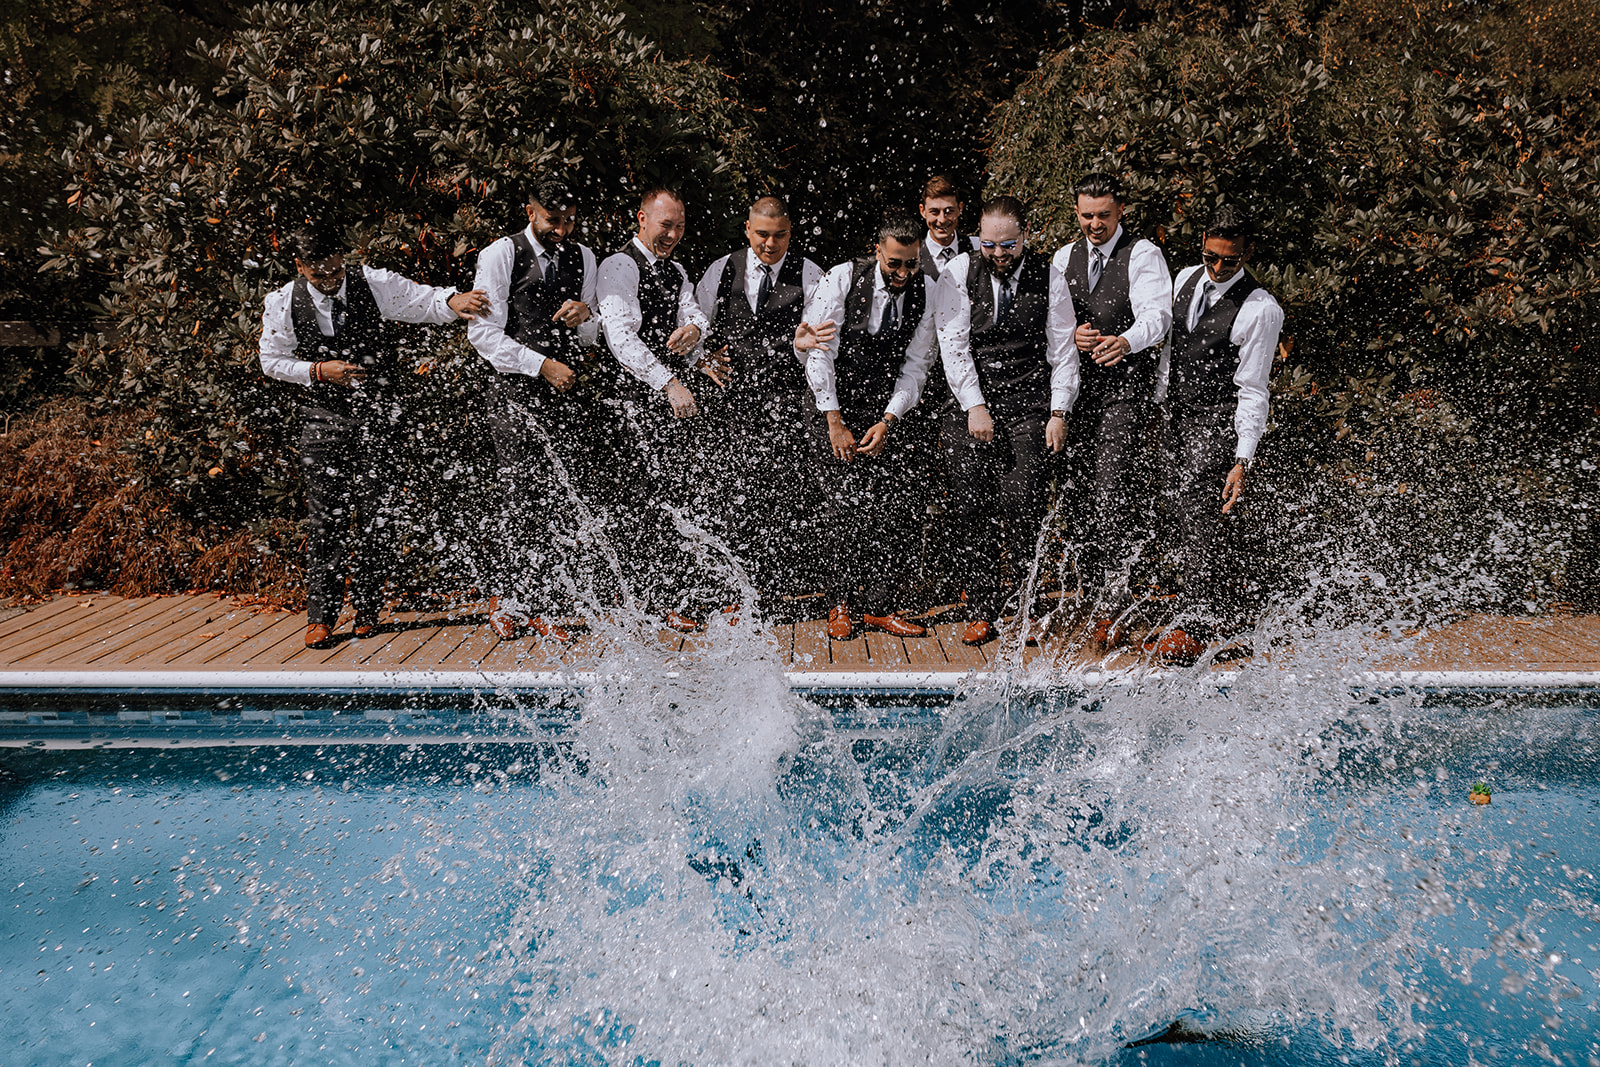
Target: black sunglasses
x=1211, y=259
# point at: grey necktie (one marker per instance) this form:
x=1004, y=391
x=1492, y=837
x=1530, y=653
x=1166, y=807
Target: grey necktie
x=891, y=316
x=766, y=288
x=1006, y=297
x=1208, y=292
x=552, y=268
x=338, y=316
x=1097, y=262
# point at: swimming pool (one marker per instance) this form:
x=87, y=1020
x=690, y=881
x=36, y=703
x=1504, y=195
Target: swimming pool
x=716, y=870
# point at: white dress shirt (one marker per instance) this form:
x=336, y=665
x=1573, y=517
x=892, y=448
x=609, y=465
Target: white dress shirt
x=397, y=297
x=620, y=317
x=711, y=281
x=488, y=331
x=1149, y=290
x=953, y=315
x=936, y=250
x=828, y=303
x=1255, y=331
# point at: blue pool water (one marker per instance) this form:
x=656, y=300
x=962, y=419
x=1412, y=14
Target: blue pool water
x=720, y=872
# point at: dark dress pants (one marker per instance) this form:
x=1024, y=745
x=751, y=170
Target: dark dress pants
x=999, y=493
x=1200, y=445
x=867, y=531
x=555, y=515
x=346, y=465
x=1113, y=448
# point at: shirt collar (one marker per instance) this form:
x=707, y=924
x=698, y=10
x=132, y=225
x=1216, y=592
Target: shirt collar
x=649, y=256
x=1218, y=287
x=934, y=247
x=752, y=262
x=323, y=300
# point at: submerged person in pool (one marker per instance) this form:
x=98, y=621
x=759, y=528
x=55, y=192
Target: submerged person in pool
x=324, y=331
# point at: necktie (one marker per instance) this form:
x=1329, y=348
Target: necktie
x=552, y=268
x=891, y=316
x=946, y=255
x=338, y=316
x=664, y=275
x=1208, y=291
x=766, y=288
x=1006, y=298
x=1097, y=262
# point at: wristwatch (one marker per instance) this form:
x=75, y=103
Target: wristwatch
x=889, y=419
x=1058, y=414
x=1244, y=461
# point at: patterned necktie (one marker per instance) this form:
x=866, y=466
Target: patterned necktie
x=1006, y=298
x=891, y=316
x=946, y=255
x=1208, y=292
x=766, y=288
x=552, y=268
x=338, y=316
x=1097, y=263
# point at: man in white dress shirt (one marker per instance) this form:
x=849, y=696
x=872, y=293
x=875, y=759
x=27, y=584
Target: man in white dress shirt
x=754, y=299
x=868, y=336
x=1005, y=356
x=543, y=404
x=325, y=331
x=653, y=326
x=1121, y=299
x=1214, y=377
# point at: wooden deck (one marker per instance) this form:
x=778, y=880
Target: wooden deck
x=215, y=634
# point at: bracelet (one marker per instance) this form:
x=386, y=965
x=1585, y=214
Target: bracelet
x=1058, y=413
x=316, y=370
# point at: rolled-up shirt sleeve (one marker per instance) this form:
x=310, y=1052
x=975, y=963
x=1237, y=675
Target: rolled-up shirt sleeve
x=1061, y=320
x=953, y=317
x=826, y=303
x=1150, y=295
x=1255, y=331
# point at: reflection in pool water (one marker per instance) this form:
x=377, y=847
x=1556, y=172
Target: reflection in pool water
x=709, y=870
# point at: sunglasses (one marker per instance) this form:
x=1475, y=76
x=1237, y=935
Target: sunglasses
x=990, y=246
x=1211, y=259
x=901, y=264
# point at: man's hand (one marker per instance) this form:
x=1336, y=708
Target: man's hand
x=573, y=313
x=684, y=338
x=1110, y=350
x=840, y=438
x=469, y=305
x=682, y=401
x=807, y=336
x=873, y=441
x=558, y=374
x=339, y=372
x=979, y=424
x=1055, y=433
x=1085, y=337
x=718, y=367
x=1233, y=488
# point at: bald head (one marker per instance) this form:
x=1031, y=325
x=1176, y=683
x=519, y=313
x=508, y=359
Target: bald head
x=768, y=229
x=661, y=221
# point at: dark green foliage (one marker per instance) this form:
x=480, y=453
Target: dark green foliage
x=412, y=128
x=1429, y=225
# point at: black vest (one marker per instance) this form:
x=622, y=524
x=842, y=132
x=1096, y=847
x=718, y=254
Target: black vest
x=658, y=306
x=534, y=299
x=1011, y=356
x=1109, y=309
x=1204, y=361
x=867, y=365
x=361, y=341
x=761, y=346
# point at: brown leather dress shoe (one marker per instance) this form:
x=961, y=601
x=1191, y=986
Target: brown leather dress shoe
x=365, y=625
x=897, y=625
x=504, y=623
x=681, y=623
x=839, y=625
x=1177, y=648
x=319, y=635
x=550, y=630
x=978, y=632
x=1102, y=633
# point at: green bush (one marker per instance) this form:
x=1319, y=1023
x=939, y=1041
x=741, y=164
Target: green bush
x=1429, y=226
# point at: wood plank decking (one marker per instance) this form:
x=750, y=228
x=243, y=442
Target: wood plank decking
x=212, y=633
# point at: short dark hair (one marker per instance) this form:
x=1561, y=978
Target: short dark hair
x=1230, y=224
x=552, y=194
x=770, y=207
x=1098, y=185
x=313, y=242
x=649, y=195
x=900, y=226
x=1008, y=206
x=942, y=185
